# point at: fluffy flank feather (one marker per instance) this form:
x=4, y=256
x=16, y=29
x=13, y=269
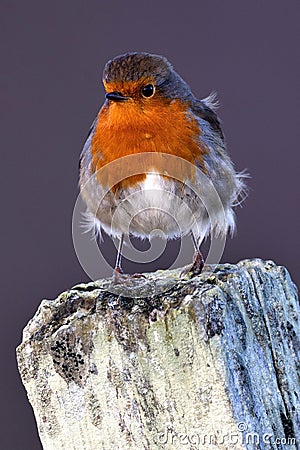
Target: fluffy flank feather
x=242, y=189
x=92, y=225
x=212, y=101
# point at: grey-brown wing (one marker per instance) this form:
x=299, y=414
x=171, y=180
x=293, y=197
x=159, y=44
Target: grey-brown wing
x=202, y=110
x=87, y=142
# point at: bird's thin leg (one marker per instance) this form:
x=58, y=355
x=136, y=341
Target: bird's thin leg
x=118, y=274
x=119, y=256
x=198, y=262
x=194, y=241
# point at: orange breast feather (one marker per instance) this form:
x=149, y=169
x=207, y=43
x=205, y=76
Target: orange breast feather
x=157, y=127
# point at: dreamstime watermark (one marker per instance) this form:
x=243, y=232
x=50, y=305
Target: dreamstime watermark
x=186, y=200
x=242, y=436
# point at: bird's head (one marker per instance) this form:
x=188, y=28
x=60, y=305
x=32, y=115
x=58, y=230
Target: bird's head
x=143, y=79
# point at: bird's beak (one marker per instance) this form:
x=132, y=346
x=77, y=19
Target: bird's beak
x=116, y=97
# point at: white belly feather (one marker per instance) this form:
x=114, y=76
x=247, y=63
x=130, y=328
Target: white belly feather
x=155, y=205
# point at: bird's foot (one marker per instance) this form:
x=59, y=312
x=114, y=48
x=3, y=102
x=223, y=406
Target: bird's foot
x=196, y=268
x=120, y=277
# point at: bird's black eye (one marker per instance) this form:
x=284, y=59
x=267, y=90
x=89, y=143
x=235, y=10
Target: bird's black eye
x=148, y=90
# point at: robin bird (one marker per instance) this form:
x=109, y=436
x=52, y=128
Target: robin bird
x=155, y=157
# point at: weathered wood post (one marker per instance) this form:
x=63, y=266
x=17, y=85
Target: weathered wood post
x=210, y=362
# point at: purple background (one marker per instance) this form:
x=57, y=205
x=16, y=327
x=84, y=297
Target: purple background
x=53, y=54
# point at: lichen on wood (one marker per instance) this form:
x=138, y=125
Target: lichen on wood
x=207, y=362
